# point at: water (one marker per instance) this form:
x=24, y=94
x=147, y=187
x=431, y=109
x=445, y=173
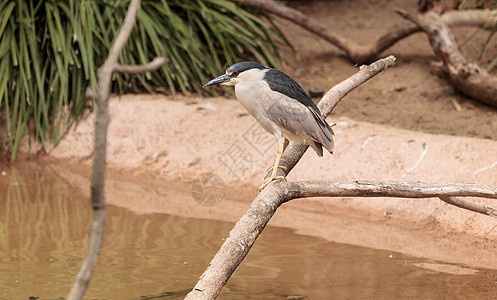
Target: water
x=43, y=237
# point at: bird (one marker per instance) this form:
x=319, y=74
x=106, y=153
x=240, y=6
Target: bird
x=281, y=106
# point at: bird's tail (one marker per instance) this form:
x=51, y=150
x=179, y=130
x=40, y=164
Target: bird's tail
x=324, y=136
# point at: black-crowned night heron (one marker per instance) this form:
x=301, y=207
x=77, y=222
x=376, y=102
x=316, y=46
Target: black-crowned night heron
x=280, y=105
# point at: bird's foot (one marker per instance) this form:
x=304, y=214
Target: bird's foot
x=272, y=167
x=269, y=180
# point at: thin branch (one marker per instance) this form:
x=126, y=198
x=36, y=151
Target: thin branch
x=124, y=33
x=471, y=17
x=96, y=235
x=331, y=99
x=447, y=192
x=154, y=65
x=306, y=189
x=305, y=22
x=476, y=207
x=248, y=228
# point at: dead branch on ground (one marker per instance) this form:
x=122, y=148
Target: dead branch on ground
x=252, y=223
x=358, y=53
x=468, y=78
x=96, y=235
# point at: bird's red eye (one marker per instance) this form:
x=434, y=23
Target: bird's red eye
x=235, y=74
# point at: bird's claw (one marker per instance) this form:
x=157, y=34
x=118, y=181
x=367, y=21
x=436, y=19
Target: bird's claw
x=272, y=168
x=269, y=180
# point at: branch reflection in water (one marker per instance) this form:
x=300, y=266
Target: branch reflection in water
x=44, y=224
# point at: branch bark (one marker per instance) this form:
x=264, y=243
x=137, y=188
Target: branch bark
x=468, y=78
x=248, y=228
x=356, y=52
x=154, y=65
x=447, y=192
x=306, y=189
x=330, y=100
x=96, y=235
x=476, y=207
x=251, y=224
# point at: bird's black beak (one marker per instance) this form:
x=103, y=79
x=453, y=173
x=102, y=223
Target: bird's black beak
x=219, y=80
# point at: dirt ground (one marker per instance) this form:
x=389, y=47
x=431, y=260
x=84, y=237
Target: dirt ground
x=158, y=145
x=411, y=95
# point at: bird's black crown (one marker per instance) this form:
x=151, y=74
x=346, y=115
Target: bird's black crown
x=244, y=66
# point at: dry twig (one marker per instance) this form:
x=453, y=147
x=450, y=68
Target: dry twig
x=96, y=235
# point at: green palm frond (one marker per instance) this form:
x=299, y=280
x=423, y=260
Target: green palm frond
x=50, y=52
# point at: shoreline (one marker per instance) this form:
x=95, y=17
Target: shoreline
x=157, y=147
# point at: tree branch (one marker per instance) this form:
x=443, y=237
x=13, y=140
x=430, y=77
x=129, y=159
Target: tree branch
x=331, y=99
x=476, y=207
x=154, y=65
x=251, y=224
x=247, y=229
x=96, y=235
x=446, y=192
x=356, y=52
x=306, y=189
x=468, y=78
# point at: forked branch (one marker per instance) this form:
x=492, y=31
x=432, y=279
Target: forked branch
x=252, y=223
x=468, y=78
x=359, y=53
x=248, y=228
x=96, y=235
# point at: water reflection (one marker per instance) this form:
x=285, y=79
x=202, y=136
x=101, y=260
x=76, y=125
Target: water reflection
x=43, y=237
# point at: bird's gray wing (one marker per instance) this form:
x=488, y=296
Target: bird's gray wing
x=295, y=117
x=281, y=83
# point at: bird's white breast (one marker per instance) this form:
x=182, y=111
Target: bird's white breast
x=251, y=91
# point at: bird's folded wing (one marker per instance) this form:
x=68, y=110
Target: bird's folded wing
x=297, y=118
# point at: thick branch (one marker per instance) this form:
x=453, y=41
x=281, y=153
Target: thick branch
x=245, y=232
x=248, y=228
x=96, y=235
x=238, y=243
x=356, y=52
x=468, y=78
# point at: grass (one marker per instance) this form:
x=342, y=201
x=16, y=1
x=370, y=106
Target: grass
x=492, y=5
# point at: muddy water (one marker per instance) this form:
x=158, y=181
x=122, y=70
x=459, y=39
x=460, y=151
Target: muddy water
x=43, y=237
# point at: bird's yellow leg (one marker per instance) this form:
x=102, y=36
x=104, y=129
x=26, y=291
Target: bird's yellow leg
x=281, y=149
